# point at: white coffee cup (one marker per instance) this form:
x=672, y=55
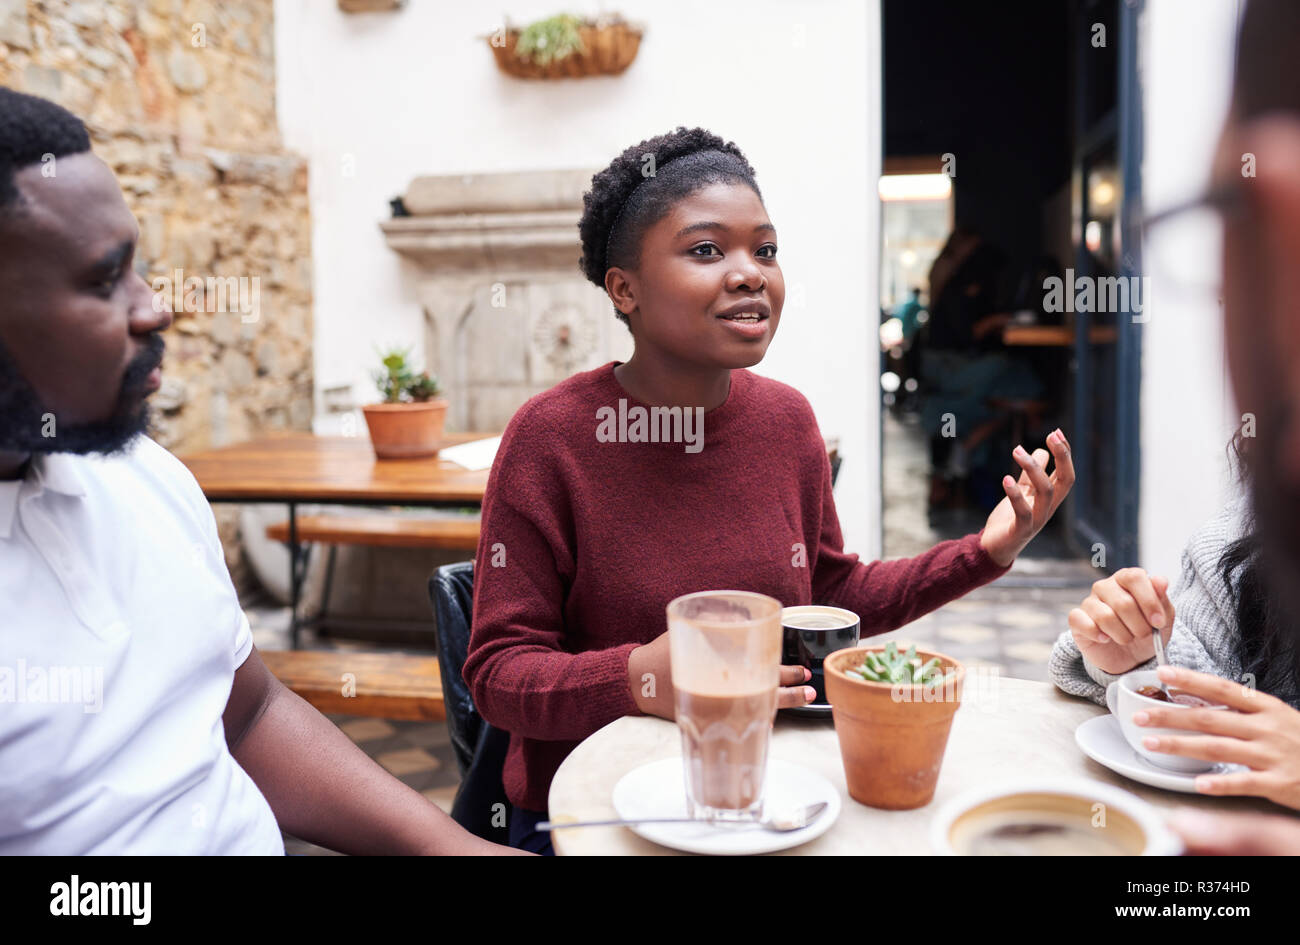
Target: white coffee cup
x=1119, y=817
x=1123, y=699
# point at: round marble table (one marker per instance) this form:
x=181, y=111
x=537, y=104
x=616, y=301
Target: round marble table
x=1005, y=729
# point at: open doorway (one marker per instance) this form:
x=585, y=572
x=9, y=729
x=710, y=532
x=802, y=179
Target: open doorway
x=1009, y=162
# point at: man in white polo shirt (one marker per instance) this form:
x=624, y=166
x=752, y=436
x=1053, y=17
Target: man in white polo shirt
x=135, y=714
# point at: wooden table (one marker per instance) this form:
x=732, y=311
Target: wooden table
x=296, y=468
x=301, y=467
x=1006, y=729
x=1055, y=336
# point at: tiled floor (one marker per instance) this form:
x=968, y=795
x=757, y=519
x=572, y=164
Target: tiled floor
x=1006, y=628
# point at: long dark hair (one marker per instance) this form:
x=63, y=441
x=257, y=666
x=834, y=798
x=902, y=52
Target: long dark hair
x=1267, y=631
x=1266, y=563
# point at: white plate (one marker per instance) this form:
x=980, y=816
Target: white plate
x=658, y=789
x=1103, y=742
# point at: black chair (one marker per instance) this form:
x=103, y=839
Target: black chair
x=481, y=806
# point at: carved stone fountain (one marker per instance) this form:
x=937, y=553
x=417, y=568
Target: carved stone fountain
x=508, y=314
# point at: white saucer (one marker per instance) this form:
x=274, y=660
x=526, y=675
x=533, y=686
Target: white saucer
x=658, y=789
x=1103, y=742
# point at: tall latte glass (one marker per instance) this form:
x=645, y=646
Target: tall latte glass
x=725, y=649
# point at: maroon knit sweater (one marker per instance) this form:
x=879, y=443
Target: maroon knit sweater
x=585, y=542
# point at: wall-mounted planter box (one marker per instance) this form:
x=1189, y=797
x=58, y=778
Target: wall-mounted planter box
x=607, y=49
x=370, y=6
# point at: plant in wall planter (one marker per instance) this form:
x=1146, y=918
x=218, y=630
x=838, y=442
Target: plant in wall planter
x=566, y=47
x=893, y=712
x=409, y=421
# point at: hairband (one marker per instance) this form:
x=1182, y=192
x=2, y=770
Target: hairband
x=609, y=236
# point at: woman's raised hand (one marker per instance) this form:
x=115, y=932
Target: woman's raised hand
x=1030, y=501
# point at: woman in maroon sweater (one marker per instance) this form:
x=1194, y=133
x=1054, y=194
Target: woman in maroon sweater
x=678, y=471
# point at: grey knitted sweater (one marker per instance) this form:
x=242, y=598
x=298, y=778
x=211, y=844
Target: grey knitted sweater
x=1205, y=624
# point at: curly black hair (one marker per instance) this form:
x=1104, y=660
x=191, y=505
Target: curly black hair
x=31, y=128
x=639, y=187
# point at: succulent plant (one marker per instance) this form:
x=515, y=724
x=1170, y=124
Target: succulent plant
x=397, y=382
x=423, y=387
x=550, y=40
x=894, y=667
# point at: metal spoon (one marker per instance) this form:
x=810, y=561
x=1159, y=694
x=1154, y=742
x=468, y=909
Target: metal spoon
x=1161, y=659
x=781, y=822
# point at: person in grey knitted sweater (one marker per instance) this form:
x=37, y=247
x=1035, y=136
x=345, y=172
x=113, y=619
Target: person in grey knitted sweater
x=1110, y=634
x=1198, y=623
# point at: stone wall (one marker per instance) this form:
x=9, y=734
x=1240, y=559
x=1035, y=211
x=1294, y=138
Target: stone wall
x=179, y=96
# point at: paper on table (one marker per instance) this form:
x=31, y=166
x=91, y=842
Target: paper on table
x=476, y=454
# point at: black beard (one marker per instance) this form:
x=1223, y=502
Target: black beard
x=28, y=426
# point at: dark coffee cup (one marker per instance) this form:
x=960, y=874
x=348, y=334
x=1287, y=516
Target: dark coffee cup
x=813, y=632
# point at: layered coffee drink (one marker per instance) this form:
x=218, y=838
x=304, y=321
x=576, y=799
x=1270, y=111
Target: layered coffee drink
x=726, y=650
x=724, y=743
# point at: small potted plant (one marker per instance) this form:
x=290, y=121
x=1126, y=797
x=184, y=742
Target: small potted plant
x=892, y=712
x=409, y=420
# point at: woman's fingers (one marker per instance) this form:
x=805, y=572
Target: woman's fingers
x=1063, y=475
x=794, y=697
x=1215, y=689
x=1146, y=608
x=1206, y=721
x=1107, y=621
x=1248, y=783
x=1041, y=457
x=1084, y=627
x=1125, y=607
x=1019, y=504
x=791, y=695
x=794, y=675
x=1042, y=486
x=1209, y=748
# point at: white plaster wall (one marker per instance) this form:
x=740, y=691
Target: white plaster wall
x=1187, y=408
x=374, y=100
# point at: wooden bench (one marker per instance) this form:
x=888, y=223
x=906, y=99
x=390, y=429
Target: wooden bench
x=389, y=686
x=385, y=531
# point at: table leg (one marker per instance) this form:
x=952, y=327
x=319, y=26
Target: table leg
x=295, y=576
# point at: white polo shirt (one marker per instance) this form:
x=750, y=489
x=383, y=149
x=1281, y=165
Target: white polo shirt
x=120, y=634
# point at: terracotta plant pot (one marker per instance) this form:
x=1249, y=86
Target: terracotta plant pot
x=401, y=431
x=892, y=737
